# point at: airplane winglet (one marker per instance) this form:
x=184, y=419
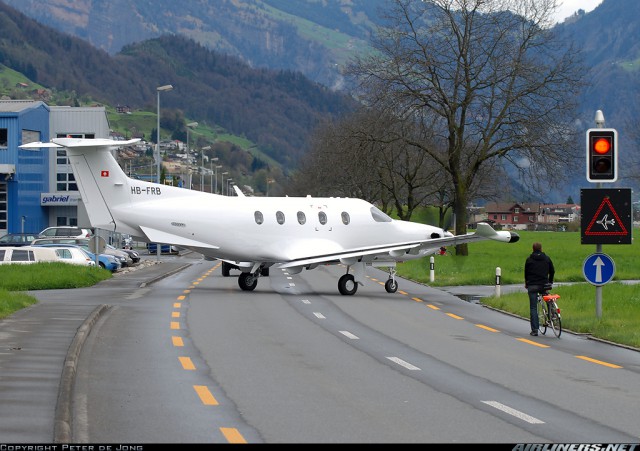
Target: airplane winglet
x=238, y=191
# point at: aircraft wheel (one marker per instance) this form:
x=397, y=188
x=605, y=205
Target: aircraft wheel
x=347, y=285
x=247, y=281
x=391, y=286
x=225, y=269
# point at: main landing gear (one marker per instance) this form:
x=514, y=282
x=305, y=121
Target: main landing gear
x=348, y=285
x=248, y=281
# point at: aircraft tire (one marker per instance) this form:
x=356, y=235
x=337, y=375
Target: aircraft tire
x=247, y=281
x=225, y=269
x=391, y=286
x=347, y=285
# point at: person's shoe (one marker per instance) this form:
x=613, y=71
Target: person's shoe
x=534, y=333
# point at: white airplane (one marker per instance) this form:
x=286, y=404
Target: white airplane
x=253, y=234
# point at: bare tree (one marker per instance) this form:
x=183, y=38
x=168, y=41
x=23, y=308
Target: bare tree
x=487, y=82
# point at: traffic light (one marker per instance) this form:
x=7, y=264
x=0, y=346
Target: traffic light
x=602, y=155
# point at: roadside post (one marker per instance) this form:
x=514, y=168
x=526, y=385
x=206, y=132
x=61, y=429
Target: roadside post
x=498, y=276
x=431, y=269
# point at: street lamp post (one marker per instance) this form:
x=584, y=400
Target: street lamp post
x=189, y=126
x=228, y=180
x=158, y=90
x=211, y=161
x=221, y=182
x=202, y=173
x=218, y=166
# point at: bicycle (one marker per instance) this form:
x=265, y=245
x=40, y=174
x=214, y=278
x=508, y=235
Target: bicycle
x=549, y=312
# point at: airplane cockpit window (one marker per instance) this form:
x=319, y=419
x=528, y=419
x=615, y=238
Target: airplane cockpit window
x=345, y=218
x=280, y=217
x=379, y=215
x=301, y=217
x=322, y=217
x=258, y=216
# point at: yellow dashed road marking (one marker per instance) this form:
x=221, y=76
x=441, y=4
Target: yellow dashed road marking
x=177, y=341
x=524, y=340
x=454, y=316
x=175, y=314
x=205, y=395
x=187, y=364
x=490, y=329
x=599, y=362
x=232, y=435
x=175, y=325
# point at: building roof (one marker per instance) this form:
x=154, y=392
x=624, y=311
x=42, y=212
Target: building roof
x=15, y=106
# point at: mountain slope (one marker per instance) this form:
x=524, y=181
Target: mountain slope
x=276, y=110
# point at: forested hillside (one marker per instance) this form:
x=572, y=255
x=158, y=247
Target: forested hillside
x=275, y=109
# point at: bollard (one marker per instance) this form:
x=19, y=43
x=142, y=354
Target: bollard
x=431, y=272
x=498, y=274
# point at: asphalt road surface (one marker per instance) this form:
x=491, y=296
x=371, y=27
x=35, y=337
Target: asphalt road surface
x=190, y=358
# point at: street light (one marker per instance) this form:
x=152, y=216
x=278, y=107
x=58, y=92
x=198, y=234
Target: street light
x=218, y=166
x=158, y=89
x=228, y=180
x=211, y=161
x=189, y=125
x=221, y=182
x=202, y=172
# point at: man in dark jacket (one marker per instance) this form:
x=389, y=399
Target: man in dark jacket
x=538, y=272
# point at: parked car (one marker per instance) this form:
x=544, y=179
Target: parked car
x=125, y=259
x=106, y=261
x=135, y=255
x=66, y=231
x=74, y=255
x=164, y=249
x=26, y=254
x=17, y=239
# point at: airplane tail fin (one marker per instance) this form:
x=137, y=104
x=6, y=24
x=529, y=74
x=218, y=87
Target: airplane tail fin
x=102, y=183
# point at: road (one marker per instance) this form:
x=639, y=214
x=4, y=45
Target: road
x=191, y=358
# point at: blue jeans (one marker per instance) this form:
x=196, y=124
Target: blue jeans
x=533, y=291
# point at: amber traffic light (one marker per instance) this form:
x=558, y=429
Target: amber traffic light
x=602, y=158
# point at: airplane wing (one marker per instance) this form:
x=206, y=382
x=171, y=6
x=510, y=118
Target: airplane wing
x=394, y=252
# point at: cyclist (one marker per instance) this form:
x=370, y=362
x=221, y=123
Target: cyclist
x=538, y=272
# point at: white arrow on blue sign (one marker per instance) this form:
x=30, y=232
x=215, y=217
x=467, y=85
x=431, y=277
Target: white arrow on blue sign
x=598, y=269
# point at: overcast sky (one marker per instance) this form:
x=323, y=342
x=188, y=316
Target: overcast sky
x=568, y=7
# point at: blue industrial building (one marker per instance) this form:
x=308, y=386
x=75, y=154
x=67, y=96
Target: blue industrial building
x=24, y=174
x=37, y=187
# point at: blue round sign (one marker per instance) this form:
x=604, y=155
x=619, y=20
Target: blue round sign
x=598, y=269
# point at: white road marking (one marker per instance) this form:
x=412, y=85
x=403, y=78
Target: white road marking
x=349, y=335
x=514, y=412
x=401, y=362
x=319, y=315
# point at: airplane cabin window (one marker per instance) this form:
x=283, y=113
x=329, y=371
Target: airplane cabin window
x=258, y=216
x=345, y=218
x=301, y=217
x=322, y=217
x=280, y=217
x=379, y=215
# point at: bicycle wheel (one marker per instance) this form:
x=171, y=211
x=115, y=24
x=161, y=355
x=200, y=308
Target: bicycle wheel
x=555, y=320
x=542, y=317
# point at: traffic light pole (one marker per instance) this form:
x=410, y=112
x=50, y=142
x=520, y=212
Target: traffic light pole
x=599, y=124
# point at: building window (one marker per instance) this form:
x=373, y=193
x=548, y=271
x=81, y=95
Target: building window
x=503, y=217
x=66, y=182
x=516, y=210
x=515, y=219
x=4, y=137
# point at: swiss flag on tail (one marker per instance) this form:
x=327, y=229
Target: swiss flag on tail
x=104, y=174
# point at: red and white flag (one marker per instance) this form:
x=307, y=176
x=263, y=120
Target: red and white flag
x=104, y=174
